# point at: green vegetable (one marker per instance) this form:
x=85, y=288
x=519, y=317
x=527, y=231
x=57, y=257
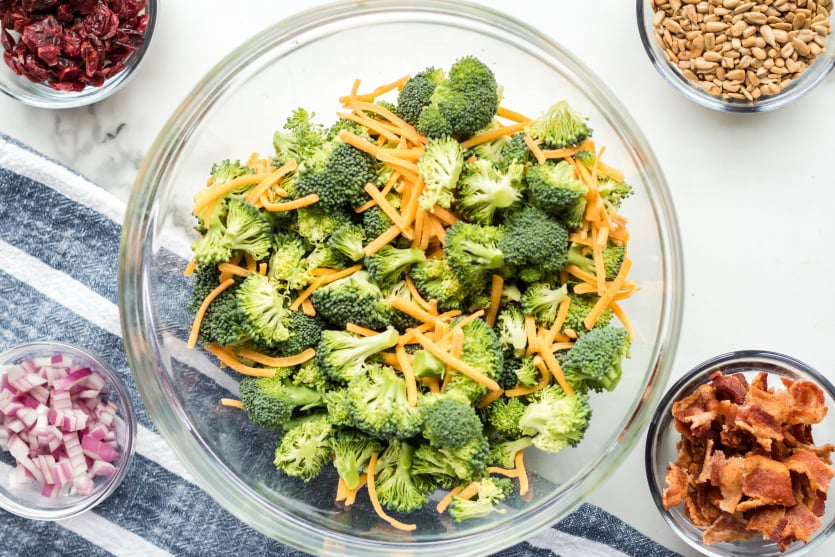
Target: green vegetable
x=234, y=226
x=305, y=449
x=379, y=406
x=560, y=126
x=491, y=492
x=595, y=361
x=555, y=420
x=271, y=401
x=440, y=166
x=342, y=355
x=484, y=191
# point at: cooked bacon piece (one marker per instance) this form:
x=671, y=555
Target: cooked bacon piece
x=768, y=480
x=771, y=522
x=727, y=528
x=762, y=425
x=694, y=414
x=728, y=477
x=730, y=387
x=676, y=479
x=807, y=463
x=802, y=523
x=807, y=404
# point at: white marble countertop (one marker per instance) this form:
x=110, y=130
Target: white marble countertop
x=753, y=192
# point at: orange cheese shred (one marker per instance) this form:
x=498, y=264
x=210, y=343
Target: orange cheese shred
x=201, y=311
x=375, y=502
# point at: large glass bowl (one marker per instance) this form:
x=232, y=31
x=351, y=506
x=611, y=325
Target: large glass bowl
x=309, y=60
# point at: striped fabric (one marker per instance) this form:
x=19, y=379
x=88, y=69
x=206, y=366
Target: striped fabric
x=59, y=243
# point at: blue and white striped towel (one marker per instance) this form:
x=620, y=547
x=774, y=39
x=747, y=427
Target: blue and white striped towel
x=59, y=244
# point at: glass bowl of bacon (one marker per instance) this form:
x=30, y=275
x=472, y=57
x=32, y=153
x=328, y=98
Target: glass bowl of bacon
x=66, y=54
x=67, y=430
x=738, y=456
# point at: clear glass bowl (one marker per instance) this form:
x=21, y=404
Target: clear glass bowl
x=27, y=501
x=42, y=95
x=662, y=437
x=809, y=79
x=309, y=60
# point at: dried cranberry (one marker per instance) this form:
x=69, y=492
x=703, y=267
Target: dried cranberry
x=46, y=32
x=83, y=7
x=71, y=43
x=37, y=5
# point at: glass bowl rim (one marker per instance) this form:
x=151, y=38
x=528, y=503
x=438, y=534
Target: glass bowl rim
x=40, y=95
x=141, y=208
x=689, y=381
x=800, y=87
x=126, y=410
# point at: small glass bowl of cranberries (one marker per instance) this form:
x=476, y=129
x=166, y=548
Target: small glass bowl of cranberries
x=71, y=53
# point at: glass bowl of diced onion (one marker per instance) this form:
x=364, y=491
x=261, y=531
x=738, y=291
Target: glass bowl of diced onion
x=67, y=430
x=310, y=60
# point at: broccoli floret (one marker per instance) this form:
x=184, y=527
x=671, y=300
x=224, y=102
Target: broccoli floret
x=482, y=351
x=613, y=255
x=305, y=332
x=353, y=299
x=417, y=94
x=204, y=279
x=595, y=361
x=473, y=252
x=532, y=239
x=553, y=188
x=348, y=125
x=507, y=379
x=379, y=405
x=336, y=402
x=465, y=102
x=503, y=453
x=221, y=323
x=561, y=126
x=399, y=319
x=309, y=374
x=264, y=310
x=510, y=328
x=397, y=486
x=491, y=492
x=527, y=374
x=374, y=222
x=483, y=190
x=338, y=178
x=237, y=226
x=271, y=401
x=287, y=263
x=342, y=355
x=515, y=150
x=425, y=364
x=579, y=308
x=490, y=150
x=440, y=167
x=586, y=157
x=555, y=420
x=386, y=266
x=503, y=415
x=352, y=451
x=542, y=301
x=303, y=450
x=613, y=193
x=301, y=140
x=449, y=422
x=348, y=240
x=435, y=281
x=444, y=466
x=315, y=225
x=327, y=257
x=227, y=170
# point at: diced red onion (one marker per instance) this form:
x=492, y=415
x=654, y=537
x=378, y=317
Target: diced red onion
x=55, y=423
